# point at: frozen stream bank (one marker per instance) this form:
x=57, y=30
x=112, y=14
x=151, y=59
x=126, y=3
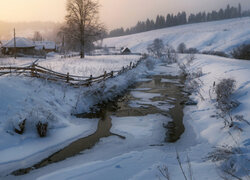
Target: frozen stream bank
x=158, y=94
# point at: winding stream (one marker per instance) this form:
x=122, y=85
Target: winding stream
x=169, y=89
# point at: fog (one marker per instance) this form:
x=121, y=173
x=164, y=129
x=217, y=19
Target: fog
x=113, y=13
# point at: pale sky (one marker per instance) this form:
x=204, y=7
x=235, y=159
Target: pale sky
x=114, y=13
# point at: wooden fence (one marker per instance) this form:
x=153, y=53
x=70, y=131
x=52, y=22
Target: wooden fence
x=37, y=71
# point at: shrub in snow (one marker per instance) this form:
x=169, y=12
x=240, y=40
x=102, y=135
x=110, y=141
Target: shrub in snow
x=150, y=63
x=42, y=128
x=196, y=74
x=193, y=81
x=183, y=69
x=221, y=153
x=21, y=127
x=224, y=91
x=164, y=172
x=233, y=160
x=190, y=58
x=192, y=51
x=215, y=53
x=242, y=52
x=170, y=56
x=182, y=48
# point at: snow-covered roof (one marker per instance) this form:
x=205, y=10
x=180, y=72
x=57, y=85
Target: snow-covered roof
x=20, y=43
x=125, y=50
x=45, y=44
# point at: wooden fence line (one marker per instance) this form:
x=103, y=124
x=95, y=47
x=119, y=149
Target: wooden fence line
x=37, y=71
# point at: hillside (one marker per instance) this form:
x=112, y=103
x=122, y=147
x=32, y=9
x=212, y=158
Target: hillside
x=218, y=35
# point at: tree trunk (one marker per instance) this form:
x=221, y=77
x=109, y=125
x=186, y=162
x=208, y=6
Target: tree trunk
x=82, y=53
x=82, y=49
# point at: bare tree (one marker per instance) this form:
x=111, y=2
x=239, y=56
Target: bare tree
x=82, y=24
x=156, y=48
x=37, y=36
x=182, y=48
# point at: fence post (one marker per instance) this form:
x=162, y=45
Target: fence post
x=105, y=75
x=90, y=80
x=130, y=65
x=32, y=70
x=112, y=73
x=67, y=77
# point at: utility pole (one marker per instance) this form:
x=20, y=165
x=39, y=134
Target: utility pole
x=15, y=43
x=63, y=50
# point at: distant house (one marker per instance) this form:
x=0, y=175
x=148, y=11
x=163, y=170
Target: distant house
x=1, y=44
x=23, y=46
x=47, y=46
x=106, y=51
x=125, y=50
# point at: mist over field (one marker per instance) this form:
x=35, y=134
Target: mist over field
x=26, y=29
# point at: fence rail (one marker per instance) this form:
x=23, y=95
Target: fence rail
x=37, y=71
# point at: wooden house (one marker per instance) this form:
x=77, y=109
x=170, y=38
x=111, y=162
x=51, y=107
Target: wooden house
x=47, y=46
x=125, y=50
x=23, y=46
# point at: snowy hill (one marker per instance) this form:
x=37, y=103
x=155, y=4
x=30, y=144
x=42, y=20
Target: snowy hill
x=218, y=35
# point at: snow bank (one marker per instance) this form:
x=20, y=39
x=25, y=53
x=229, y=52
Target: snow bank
x=38, y=100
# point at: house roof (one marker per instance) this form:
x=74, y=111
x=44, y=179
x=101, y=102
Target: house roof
x=45, y=44
x=20, y=43
x=125, y=50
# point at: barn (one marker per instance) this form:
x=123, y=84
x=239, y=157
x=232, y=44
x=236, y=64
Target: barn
x=125, y=50
x=23, y=46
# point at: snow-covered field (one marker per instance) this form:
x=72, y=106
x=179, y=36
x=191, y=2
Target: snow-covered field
x=91, y=65
x=134, y=157
x=217, y=36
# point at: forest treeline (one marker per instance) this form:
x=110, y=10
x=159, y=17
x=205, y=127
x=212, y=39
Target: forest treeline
x=180, y=19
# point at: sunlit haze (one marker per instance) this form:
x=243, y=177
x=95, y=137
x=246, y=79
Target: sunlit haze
x=114, y=13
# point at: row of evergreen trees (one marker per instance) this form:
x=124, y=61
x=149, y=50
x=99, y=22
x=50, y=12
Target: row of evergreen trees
x=180, y=19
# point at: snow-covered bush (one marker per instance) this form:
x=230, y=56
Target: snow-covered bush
x=150, y=63
x=34, y=121
x=21, y=127
x=183, y=69
x=242, y=52
x=42, y=128
x=232, y=161
x=224, y=90
x=170, y=56
x=193, y=82
x=190, y=58
x=182, y=48
x=192, y=51
x=221, y=153
x=215, y=53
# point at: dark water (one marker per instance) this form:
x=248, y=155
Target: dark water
x=170, y=92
